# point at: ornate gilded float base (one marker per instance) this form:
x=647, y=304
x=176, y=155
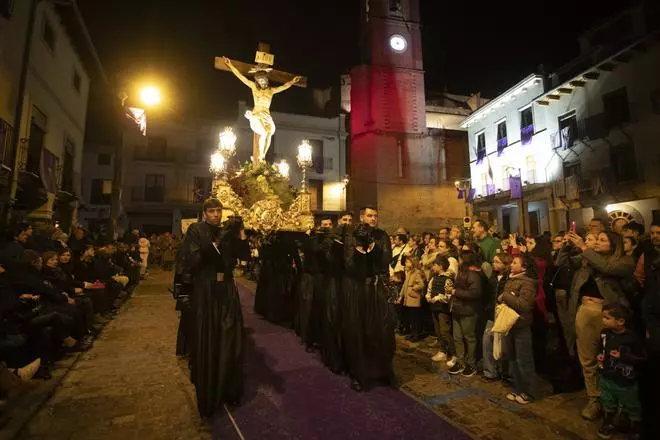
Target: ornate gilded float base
x=266, y=215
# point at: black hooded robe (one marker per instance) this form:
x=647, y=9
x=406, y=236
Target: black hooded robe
x=368, y=321
x=216, y=357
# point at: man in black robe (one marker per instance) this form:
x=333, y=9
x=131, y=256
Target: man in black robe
x=368, y=322
x=209, y=254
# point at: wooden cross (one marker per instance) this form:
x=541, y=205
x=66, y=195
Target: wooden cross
x=264, y=63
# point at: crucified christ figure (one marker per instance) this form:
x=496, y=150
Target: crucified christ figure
x=261, y=122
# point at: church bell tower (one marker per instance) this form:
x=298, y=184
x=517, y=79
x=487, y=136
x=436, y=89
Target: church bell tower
x=392, y=163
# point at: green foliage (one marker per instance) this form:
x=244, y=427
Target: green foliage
x=254, y=184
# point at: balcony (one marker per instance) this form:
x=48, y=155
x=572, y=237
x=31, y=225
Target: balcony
x=6, y=145
x=29, y=157
x=174, y=196
x=143, y=153
x=591, y=128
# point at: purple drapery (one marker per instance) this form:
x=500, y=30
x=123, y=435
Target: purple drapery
x=481, y=155
x=470, y=197
x=460, y=194
x=526, y=134
x=515, y=185
x=490, y=189
x=501, y=145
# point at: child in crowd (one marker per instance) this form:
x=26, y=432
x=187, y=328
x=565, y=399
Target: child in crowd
x=618, y=367
x=438, y=295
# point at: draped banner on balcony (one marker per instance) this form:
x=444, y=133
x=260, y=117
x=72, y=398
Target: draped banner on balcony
x=490, y=189
x=470, y=196
x=501, y=145
x=515, y=185
x=461, y=193
x=526, y=134
x=49, y=171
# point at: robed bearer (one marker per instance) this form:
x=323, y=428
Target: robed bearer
x=209, y=254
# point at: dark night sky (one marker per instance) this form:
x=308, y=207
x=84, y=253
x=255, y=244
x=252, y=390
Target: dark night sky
x=469, y=46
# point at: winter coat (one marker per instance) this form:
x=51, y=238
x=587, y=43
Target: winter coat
x=520, y=294
x=413, y=289
x=468, y=293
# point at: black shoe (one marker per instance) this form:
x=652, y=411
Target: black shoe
x=607, y=428
x=456, y=369
x=468, y=371
x=355, y=386
x=489, y=379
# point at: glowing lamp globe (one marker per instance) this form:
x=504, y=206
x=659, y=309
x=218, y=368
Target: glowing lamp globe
x=304, y=154
x=150, y=96
x=218, y=163
x=228, y=142
x=283, y=168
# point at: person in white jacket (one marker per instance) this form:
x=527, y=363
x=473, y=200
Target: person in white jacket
x=144, y=245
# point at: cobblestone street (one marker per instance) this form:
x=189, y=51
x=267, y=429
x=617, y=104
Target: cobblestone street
x=130, y=384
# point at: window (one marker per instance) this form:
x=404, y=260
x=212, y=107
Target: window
x=36, y=141
x=526, y=126
x=67, y=166
x=48, y=35
x=328, y=163
x=505, y=178
x=502, y=141
x=154, y=188
x=317, y=155
x=481, y=147
x=567, y=131
x=101, y=192
x=531, y=169
x=316, y=194
x=76, y=81
x=156, y=147
x=104, y=159
x=201, y=189
x=616, y=107
x=624, y=162
x=7, y=8
x=655, y=101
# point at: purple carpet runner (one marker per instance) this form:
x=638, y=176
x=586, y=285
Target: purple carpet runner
x=291, y=395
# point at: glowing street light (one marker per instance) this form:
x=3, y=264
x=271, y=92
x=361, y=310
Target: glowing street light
x=283, y=168
x=150, y=96
x=218, y=163
x=305, y=161
x=227, y=142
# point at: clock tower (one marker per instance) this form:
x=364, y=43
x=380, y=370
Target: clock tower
x=393, y=162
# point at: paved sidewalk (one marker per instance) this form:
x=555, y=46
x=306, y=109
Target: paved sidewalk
x=130, y=384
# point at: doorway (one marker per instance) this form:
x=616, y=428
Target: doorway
x=533, y=223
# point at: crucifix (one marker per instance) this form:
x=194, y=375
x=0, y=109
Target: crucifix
x=261, y=122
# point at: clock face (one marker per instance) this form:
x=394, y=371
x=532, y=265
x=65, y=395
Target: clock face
x=398, y=43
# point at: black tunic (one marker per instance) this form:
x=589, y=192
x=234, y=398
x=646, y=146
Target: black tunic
x=332, y=268
x=216, y=358
x=368, y=321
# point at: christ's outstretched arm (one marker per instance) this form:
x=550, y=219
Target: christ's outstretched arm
x=287, y=85
x=238, y=74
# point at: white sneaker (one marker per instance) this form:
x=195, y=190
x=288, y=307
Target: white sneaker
x=439, y=357
x=451, y=362
x=27, y=372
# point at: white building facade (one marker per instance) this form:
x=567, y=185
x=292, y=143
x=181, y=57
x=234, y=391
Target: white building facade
x=591, y=137
x=52, y=127
x=328, y=139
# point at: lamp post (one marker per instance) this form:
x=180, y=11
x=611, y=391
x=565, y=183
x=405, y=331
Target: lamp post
x=304, y=159
x=464, y=186
x=283, y=168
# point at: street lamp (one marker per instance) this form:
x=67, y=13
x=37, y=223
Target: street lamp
x=227, y=142
x=150, y=96
x=304, y=159
x=283, y=168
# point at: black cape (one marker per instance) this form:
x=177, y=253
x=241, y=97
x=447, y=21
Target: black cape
x=216, y=355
